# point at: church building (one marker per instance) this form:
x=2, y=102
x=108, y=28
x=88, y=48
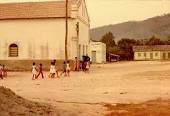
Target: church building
x=35, y=31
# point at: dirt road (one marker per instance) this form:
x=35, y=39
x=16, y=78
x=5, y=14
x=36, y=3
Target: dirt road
x=85, y=94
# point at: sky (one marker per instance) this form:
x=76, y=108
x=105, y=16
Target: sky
x=106, y=12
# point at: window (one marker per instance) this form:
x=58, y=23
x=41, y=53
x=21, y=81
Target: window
x=13, y=50
x=77, y=28
x=151, y=56
x=79, y=55
x=169, y=55
x=144, y=54
x=156, y=54
x=87, y=50
x=83, y=49
x=139, y=54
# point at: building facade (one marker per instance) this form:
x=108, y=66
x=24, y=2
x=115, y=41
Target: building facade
x=97, y=52
x=36, y=30
x=154, y=52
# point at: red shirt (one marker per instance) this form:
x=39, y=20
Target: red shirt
x=40, y=70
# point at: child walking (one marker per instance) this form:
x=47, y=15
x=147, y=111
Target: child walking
x=55, y=69
x=52, y=72
x=34, y=71
x=76, y=64
x=63, y=69
x=4, y=71
x=87, y=66
x=40, y=72
x=68, y=68
x=1, y=72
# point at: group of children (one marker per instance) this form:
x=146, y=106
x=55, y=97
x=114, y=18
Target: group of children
x=53, y=70
x=65, y=69
x=3, y=72
x=83, y=65
x=36, y=72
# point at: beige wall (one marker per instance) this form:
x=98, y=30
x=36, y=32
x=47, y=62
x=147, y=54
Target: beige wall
x=157, y=55
x=40, y=38
x=100, y=49
x=45, y=38
x=84, y=38
x=84, y=25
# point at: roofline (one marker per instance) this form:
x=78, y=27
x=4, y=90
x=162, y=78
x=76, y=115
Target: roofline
x=87, y=11
x=151, y=49
x=79, y=3
x=71, y=2
x=34, y=18
x=31, y=2
x=150, y=45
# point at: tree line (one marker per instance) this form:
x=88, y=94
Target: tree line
x=124, y=47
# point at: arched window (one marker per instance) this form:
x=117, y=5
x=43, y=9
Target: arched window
x=13, y=50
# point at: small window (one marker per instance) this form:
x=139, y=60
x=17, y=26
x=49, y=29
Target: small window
x=139, y=54
x=144, y=54
x=13, y=50
x=79, y=55
x=168, y=55
x=77, y=28
x=86, y=49
x=83, y=49
x=156, y=54
x=151, y=55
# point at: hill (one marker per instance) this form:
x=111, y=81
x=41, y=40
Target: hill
x=157, y=26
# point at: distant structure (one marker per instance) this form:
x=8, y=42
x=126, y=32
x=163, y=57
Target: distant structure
x=36, y=30
x=153, y=52
x=97, y=52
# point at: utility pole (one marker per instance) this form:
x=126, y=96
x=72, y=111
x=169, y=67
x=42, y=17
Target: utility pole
x=66, y=29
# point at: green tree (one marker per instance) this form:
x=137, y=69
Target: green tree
x=126, y=45
x=155, y=41
x=113, y=50
x=142, y=41
x=109, y=40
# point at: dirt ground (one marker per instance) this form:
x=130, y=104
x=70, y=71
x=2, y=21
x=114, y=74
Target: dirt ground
x=14, y=105
x=97, y=92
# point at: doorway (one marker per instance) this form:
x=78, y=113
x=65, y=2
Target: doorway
x=93, y=56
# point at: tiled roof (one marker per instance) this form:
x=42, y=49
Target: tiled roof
x=50, y=9
x=151, y=48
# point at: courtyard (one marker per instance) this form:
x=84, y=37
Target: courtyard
x=86, y=94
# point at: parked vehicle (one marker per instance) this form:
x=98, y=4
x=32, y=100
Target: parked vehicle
x=112, y=57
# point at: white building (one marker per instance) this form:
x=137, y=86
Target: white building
x=36, y=30
x=153, y=52
x=98, y=52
